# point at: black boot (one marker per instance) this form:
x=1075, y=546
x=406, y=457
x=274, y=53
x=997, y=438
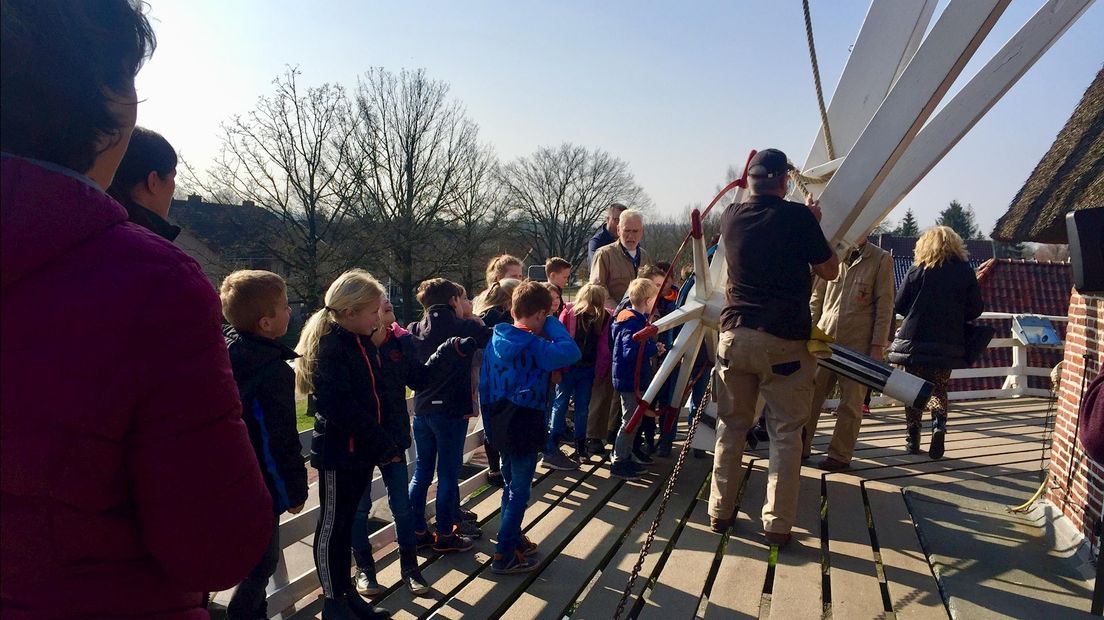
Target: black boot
x=411, y=574
x=362, y=609
x=912, y=441
x=939, y=435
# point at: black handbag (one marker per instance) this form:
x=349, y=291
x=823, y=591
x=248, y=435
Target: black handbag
x=977, y=340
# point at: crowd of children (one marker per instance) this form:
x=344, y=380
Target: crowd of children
x=519, y=357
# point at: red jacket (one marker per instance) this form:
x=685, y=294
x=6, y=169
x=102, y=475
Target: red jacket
x=129, y=484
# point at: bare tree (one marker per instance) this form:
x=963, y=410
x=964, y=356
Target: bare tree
x=479, y=217
x=412, y=142
x=287, y=156
x=559, y=195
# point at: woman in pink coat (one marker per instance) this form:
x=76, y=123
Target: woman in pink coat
x=129, y=484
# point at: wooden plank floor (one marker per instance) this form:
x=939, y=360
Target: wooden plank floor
x=855, y=552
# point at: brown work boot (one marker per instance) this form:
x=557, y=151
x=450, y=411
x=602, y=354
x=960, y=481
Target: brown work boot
x=721, y=526
x=778, y=539
x=831, y=464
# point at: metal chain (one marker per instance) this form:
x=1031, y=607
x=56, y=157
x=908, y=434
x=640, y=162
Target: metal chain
x=816, y=80
x=663, y=503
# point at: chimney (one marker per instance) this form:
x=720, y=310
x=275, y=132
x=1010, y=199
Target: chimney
x=194, y=199
x=248, y=203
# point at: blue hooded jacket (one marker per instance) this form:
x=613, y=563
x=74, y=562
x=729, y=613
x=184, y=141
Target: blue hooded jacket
x=626, y=350
x=514, y=383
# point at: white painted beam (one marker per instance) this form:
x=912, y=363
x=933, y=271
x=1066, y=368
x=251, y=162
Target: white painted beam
x=968, y=106
x=957, y=34
x=888, y=39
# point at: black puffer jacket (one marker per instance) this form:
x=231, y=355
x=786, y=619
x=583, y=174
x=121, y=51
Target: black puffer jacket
x=936, y=303
x=266, y=384
x=452, y=393
x=348, y=431
x=400, y=369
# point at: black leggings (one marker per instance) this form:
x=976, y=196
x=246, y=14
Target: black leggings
x=339, y=492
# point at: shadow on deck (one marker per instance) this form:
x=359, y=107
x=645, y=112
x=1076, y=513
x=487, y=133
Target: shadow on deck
x=855, y=554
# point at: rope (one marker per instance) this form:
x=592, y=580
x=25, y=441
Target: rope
x=663, y=503
x=816, y=80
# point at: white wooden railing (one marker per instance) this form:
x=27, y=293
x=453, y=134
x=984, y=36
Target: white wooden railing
x=1015, y=376
x=286, y=589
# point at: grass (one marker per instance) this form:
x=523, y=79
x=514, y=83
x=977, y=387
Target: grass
x=302, y=420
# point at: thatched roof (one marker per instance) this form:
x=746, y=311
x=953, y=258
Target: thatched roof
x=1069, y=177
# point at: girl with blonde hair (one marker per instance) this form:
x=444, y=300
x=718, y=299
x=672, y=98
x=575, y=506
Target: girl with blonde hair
x=588, y=322
x=338, y=369
x=938, y=297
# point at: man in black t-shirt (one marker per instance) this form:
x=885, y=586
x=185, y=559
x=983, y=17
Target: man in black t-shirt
x=770, y=244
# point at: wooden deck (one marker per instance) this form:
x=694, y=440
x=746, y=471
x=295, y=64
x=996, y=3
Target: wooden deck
x=855, y=553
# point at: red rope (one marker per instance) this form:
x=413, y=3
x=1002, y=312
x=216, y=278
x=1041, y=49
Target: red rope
x=650, y=330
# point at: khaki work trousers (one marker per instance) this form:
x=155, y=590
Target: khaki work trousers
x=751, y=363
x=848, y=414
x=603, y=401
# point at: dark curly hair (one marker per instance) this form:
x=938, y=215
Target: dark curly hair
x=62, y=61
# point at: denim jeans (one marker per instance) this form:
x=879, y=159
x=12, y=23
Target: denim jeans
x=622, y=446
x=517, y=471
x=439, y=440
x=696, y=393
x=576, y=383
x=248, y=601
x=398, y=497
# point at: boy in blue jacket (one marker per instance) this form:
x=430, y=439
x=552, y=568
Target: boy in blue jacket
x=514, y=392
x=632, y=369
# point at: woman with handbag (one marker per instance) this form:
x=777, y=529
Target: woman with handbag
x=938, y=298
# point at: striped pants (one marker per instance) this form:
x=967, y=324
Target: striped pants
x=339, y=493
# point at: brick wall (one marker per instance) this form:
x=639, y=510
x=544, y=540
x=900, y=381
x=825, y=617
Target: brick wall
x=1081, y=497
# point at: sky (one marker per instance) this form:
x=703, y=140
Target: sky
x=679, y=91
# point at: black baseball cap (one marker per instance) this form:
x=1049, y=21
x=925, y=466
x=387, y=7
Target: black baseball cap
x=768, y=163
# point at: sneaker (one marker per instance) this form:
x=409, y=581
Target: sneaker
x=664, y=449
x=495, y=479
x=416, y=583
x=626, y=470
x=518, y=563
x=581, y=453
x=468, y=529
x=366, y=584
x=424, y=539
x=527, y=547
x=596, y=447
x=452, y=544
x=935, y=450
x=467, y=515
x=699, y=453
x=556, y=460
x=831, y=464
x=866, y=409
x=642, y=457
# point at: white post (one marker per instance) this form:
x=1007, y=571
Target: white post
x=1018, y=377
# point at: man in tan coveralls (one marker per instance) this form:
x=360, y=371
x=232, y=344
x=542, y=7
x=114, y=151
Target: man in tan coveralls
x=857, y=310
x=770, y=244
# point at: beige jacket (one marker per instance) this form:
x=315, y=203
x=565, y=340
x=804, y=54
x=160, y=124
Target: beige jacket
x=614, y=270
x=857, y=307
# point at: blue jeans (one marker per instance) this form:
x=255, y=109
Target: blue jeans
x=439, y=440
x=394, y=478
x=576, y=383
x=696, y=393
x=517, y=471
